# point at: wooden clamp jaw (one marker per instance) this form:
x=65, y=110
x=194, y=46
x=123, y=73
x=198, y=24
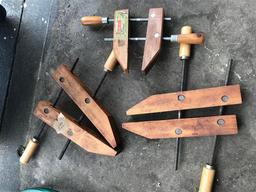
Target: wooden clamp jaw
x=187, y=127
x=200, y=98
x=121, y=35
x=79, y=93
x=67, y=126
x=153, y=37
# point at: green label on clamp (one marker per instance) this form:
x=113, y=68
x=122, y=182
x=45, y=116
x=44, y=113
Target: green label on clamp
x=121, y=25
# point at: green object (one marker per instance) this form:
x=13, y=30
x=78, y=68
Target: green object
x=39, y=190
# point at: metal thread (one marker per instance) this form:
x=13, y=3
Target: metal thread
x=141, y=19
x=172, y=38
x=215, y=138
x=183, y=86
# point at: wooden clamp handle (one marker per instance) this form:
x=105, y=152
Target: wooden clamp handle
x=207, y=179
x=184, y=51
x=111, y=62
x=29, y=151
x=193, y=38
x=91, y=20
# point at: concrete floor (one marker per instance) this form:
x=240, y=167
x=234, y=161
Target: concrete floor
x=51, y=34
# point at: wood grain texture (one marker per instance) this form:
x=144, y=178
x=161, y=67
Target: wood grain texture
x=200, y=98
x=84, y=137
x=121, y=35
x=187, y=127
x=153, y=37
x=80, y=94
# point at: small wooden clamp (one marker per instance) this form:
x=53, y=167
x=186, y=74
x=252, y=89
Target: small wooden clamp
x=187, y=127
x=67, y=126
x=153, y=37
x=200, y=98
x=79, y=93
x=121, y=35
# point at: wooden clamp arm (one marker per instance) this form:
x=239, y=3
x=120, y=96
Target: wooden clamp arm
x=79, y=93
x=194, y=99
x=187, y=127
x=153, y=38
x=67, y=126
x=121, y=35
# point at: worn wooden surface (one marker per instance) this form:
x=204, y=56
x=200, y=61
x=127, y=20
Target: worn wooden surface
x=80, y=94
x=187, y=127
x=200, y=98
x=154, y=37
x=67, y=126
x=121, y=34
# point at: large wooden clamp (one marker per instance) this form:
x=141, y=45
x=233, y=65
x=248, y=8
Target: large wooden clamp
x=99, y=117
x=186, y=127
x=153, y=39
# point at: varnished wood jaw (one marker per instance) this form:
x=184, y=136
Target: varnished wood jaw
x=153, y=38
x=187, y=127
x=201, y=98
x=121, y=35
x=67, y=126
x=80, y=94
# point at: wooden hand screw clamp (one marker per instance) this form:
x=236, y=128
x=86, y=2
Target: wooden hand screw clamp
x=187, y=127
x=153, y=37
x=27, y=152
x=65, y=125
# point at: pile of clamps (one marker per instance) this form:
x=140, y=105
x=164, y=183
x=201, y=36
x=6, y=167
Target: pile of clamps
x=105, y=142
